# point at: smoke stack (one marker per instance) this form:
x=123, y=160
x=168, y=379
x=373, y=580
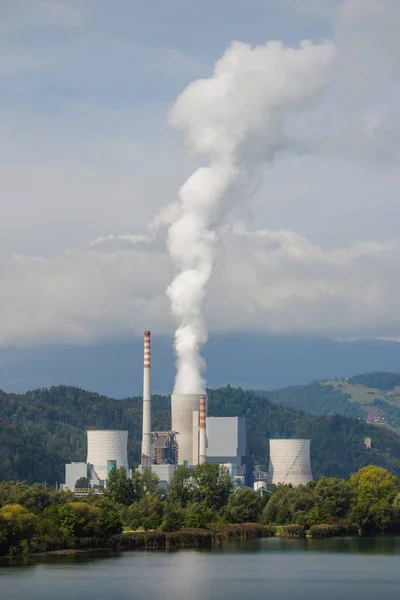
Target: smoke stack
x=202, y=431
x=146, y=435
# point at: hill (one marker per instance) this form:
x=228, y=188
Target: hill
x=42, y=430
x=374, y=397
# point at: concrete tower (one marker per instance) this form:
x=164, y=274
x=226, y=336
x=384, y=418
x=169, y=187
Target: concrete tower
x=289, y=462
x=105, y=446
x=184, y=423
x=146, y=434
x=202, y=431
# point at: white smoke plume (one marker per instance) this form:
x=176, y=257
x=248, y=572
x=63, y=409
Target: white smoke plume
x=237, y=119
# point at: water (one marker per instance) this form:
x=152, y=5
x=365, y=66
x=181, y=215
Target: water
x=281, y=569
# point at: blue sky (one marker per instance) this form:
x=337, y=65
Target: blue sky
x=86, y=152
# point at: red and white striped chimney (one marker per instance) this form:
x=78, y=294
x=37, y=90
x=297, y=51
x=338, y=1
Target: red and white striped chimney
x=146, y=435
x=202, y=431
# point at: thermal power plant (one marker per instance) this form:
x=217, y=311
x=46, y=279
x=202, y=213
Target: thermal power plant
x=105, y=446
x=289, y=462
x=185, y=409
x=146, y=432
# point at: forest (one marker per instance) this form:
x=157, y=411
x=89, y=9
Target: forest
x=200, y=504
x=42, y=430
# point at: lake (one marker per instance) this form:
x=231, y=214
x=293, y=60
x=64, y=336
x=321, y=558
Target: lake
x=342, y=568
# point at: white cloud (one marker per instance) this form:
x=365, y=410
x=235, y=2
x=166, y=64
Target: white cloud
x=84, y=151
x=274, y=281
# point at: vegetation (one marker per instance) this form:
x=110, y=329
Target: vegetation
x=42, y=430
x=200, y=510
x=377, y=380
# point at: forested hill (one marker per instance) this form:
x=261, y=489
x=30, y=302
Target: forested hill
x=374, y=396
x=42, y=430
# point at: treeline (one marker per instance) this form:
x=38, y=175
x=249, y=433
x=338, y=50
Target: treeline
x=200, y=505
x=42, y=430
x=316, y=398
x=379, y=380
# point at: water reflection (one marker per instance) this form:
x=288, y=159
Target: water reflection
x=288, y=569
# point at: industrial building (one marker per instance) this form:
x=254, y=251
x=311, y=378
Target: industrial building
x=164, y=448
x=289, y=462
x=226, y=444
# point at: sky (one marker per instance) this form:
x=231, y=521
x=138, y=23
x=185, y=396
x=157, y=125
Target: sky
x=90, y=171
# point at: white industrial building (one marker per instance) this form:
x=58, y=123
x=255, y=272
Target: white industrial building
x=107, y=445
x=106, y=449
x=185, y=414
x=289, y=462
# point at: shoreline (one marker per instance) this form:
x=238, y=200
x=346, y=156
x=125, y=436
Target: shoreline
x=212, y=537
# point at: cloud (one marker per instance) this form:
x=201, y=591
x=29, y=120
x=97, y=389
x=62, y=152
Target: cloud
x=273, y=281
x=85, y=153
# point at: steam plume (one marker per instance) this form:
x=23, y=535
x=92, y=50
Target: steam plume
x=237, y=119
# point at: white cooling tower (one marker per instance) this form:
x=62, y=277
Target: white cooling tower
x=182, y=408
x=107, y=445
x=289, y=462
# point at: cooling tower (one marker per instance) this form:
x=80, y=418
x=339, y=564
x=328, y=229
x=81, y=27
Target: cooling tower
x=104, y=446
x=289, y=462
x=182, y=407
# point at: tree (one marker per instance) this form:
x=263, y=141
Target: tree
x=375, y=490
x=82, y=483
x=121, y=489
x=211, y=485
x=180, y=489
x=198, y=515
x=244, y=506
x=173, y=517
x=372, y=484
x=146, y=513
x=108, y=519
x=78, y=519
x=17, y=524
x=145, y=483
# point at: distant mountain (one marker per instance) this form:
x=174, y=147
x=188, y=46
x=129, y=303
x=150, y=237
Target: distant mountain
x=42, y=430
x=249, y=360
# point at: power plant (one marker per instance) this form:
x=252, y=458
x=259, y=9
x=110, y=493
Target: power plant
x=193, y=439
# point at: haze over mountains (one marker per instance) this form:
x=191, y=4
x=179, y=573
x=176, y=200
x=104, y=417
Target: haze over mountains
x=246, y=359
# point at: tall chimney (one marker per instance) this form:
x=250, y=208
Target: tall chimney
x=146, y=435
x=202, y=431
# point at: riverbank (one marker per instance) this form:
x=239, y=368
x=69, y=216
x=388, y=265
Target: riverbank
x=184, y=538
x=213, y=536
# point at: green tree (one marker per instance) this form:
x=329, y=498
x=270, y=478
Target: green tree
x=78, y=519
x=109, y=521
x=147, y=513
x=17, y=524
x=145, y=483
x=211, y=485
x=120, y=488
x=244, y=506
x=198, y=515
x=82, y=483
x=180, y=489
x=375, y=490
x=174, y=517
